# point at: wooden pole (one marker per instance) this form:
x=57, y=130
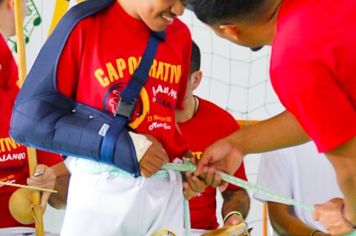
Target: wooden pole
x=60, y=9
x=31, y=153
x=265, y=219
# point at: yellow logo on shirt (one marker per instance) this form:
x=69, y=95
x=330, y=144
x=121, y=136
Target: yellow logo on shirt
x=7, y=144
x=197, y=155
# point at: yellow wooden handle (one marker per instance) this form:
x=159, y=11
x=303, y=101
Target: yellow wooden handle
x=59, y=10
x=32, y=159
x=20, y=41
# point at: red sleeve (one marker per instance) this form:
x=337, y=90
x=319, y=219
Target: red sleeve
x=70, y=60
x=310, y=91
x=48, y=158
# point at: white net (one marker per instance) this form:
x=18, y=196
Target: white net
x=235, y=78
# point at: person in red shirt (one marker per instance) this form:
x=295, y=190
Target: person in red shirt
x=14, y=166
x=98, y=84
x=193, y=122
x=312, y=70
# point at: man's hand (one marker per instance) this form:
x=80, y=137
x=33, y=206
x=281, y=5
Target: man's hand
x=192, y=186
x=153, y=159
x=43, y=177
x=210, y=177
x=222, y=155
x=329, y=214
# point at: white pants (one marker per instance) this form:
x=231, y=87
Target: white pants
x=104, y=204
x=21, y=231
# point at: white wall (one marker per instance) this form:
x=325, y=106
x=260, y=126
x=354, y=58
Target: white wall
x=235, y=78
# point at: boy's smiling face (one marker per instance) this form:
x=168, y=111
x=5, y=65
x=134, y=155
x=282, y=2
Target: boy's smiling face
x=158, y=14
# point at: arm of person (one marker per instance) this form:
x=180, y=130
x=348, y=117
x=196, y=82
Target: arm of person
x=54, y=177
x=59, y=200
x=280, y=131
x=285, y=223
x=235, y=206
x=343, y=158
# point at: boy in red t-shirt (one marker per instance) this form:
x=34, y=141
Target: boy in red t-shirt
x=193, y=121
x=312, y=70
x=14, y=166
x=97, y=62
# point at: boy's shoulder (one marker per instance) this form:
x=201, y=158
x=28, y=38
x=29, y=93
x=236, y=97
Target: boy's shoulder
x=179, y=28
x=218, y=111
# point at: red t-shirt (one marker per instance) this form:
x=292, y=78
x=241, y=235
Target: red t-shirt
x=13, y=156
x=100, y=57
x=313, y=67
x=209, y=124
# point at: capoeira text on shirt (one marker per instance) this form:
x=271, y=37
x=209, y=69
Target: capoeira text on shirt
x=114, y=70
x=7, y=144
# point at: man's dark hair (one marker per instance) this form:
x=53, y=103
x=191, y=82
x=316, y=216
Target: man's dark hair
x=222, y=11
x=195, y=59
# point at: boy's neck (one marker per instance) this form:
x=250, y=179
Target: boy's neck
x=190, y=107
x=4, y=35
x=129, y=7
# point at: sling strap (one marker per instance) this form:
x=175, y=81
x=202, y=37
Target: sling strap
x=128, y=99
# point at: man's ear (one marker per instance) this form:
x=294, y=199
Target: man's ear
x=196, y=77
x=230, y=31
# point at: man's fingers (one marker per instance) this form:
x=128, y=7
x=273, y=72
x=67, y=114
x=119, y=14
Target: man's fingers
x=210, y=175
x=189, y=180
x=216, y=180
x=204, y=173
x=195, y=183
x=188, y=192
x=44, y=199
x=223, y=186
x=329, y=215
x=203, y=162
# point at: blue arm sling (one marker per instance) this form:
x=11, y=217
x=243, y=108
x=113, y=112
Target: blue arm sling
x=48, y=120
